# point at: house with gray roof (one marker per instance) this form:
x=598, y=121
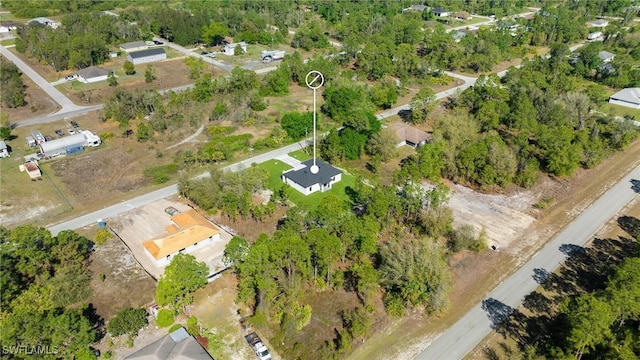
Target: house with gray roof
x=92, y=74
x=629, y=97
x=134, y=46
x=606, y=56
x=177, y=345
x=307, y=182
x=147, y=56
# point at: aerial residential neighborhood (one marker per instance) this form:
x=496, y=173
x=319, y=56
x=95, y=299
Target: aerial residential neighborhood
x=319, y=179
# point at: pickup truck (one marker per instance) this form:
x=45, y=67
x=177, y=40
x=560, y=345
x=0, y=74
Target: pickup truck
x=262, y=352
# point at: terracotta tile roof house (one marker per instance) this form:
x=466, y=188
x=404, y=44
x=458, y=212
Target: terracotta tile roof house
x=178, y=345
x=410, y=135
x=190, y=231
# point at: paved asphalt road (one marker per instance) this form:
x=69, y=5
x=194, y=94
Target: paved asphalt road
x=464, y=335
x=54, y=93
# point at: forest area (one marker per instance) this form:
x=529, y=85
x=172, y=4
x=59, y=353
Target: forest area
x=386, y=250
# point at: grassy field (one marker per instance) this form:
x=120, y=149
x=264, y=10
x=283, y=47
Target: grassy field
x=618, y=110
x=300, y=155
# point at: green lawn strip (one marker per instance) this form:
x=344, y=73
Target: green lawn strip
x=619, y=110
x=300, y=155
x=275, y=168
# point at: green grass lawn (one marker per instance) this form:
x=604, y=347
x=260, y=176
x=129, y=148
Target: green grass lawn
x=275, y=168
x=300, y=155
x=618, y=110
x=309, y=202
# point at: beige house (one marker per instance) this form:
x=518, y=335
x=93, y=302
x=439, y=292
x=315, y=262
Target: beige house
x=410, y=135
x=190, y=231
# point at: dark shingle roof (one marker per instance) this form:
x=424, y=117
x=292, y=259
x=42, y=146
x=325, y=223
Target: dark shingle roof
x=92, y=72
x=178, y=345
x=145, y=53
x=305, y=178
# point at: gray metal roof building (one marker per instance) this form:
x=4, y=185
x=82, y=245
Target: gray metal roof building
x=64, y=145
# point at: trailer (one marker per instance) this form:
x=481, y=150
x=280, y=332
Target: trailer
x=262, y=352
x=272, y=55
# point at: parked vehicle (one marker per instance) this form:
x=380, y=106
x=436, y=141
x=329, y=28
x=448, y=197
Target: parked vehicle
x=158, y=42
x=59, y=132
x=208, y=53
x=74, y=124
x=272, y=55
x=262, y=352
x=70, y=77
x=149, y=43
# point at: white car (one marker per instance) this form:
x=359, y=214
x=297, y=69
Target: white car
x=149, y=43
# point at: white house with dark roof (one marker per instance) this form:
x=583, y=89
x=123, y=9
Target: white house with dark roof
x=178, y=345
x=629, y=97
x=147, y=56
x=307, y=183
x=134, y=46
x=92, y=74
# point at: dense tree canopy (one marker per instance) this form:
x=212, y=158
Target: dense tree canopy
x=181, y=278
x=45, y=282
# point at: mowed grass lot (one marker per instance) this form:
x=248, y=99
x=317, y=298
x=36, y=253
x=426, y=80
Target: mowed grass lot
x=309, y=202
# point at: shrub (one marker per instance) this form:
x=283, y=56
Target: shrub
x=102, y=236
x=192, y=326
x=127, y=321
x=162, y=173
x=165, y=318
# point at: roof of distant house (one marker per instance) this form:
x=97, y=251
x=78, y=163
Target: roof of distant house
x=630, y=95
x=92, y=72
x=419, y=8
x=190, y=227
x=133, y=45
x=42, y=20
x=439, y=10
x=177, y=345
x=605, y=55
x=600, y=22
x=145, y=53
x=305, y=178
x=409, y=133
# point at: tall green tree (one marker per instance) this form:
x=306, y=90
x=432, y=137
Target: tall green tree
x=181, y=278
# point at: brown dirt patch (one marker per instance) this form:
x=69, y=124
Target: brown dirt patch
x=125, y=285
x=214, y=307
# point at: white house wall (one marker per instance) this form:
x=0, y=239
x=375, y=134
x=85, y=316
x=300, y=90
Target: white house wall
x=201, y=244
x=92, y=80
x=148, y=59
x=625, y=103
